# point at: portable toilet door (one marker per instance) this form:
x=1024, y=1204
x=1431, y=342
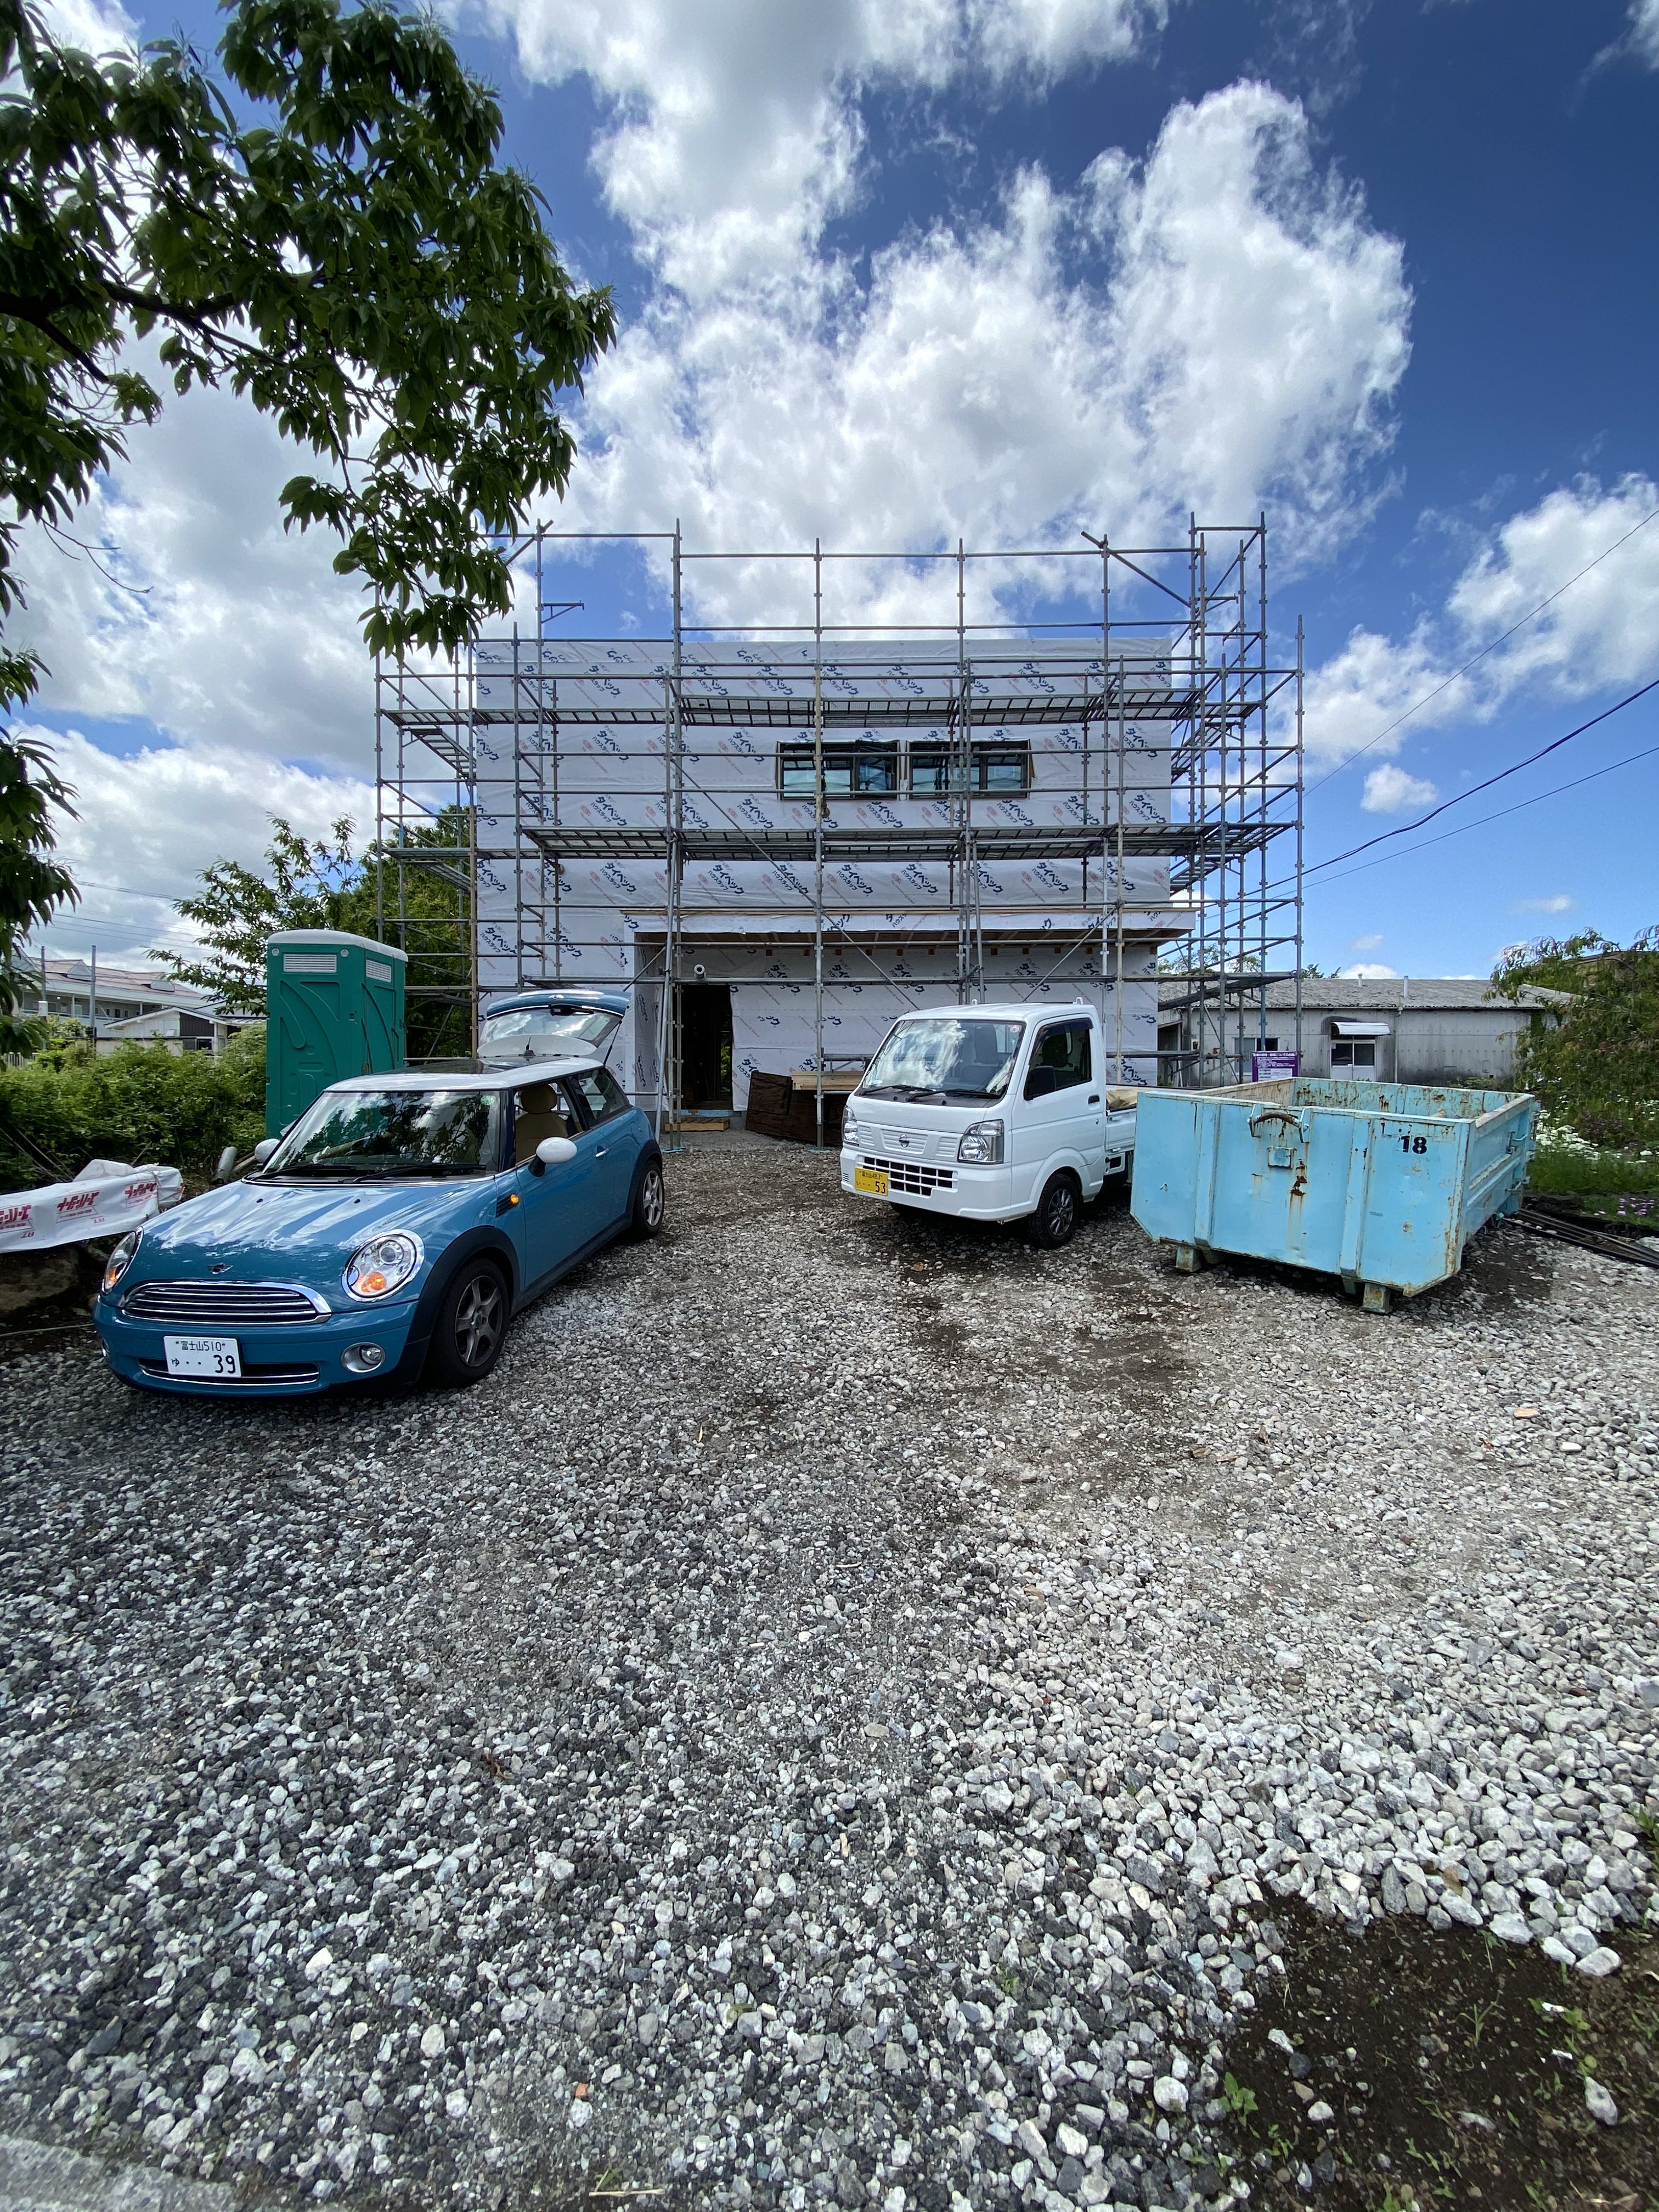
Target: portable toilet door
x=334, y=1007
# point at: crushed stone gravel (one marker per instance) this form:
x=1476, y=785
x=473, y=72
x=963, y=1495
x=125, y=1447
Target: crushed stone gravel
x=829, y=1722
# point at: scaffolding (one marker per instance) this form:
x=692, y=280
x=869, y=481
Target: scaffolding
x=501, y=745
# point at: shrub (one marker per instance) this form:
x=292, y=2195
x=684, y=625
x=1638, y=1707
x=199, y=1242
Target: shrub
x=1596, y=1068
x=141, y=1102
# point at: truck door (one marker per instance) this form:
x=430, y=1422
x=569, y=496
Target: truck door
x=1062, y=1108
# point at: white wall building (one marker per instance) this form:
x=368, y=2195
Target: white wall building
x=575, y=789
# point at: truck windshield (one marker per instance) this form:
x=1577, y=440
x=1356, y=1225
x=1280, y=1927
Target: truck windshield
x=381, y=1134
x=944, y=1056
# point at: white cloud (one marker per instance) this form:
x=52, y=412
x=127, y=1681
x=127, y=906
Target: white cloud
x=1602, y=631
x=1367, y=944
x=1560, y=903
x=1644, y=31
x=220, y=627
x=735, y=131
x=1389, y=790
x=1214, y=329
x=148, y=824
x=1370, y=971
x=97, y=27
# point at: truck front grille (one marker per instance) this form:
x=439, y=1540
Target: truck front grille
x=912, y=1177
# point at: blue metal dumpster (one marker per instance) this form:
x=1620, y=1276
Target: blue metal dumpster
x=1380, y=1183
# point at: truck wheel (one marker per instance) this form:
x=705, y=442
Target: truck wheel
x=471, y=1324
x=650, y=1202
x=1054, y=1222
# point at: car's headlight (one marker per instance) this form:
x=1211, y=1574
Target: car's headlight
x=981, y=1145
x=383, y=1266
x=119, y=1259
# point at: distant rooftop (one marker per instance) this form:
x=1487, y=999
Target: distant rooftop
x=1394, y=994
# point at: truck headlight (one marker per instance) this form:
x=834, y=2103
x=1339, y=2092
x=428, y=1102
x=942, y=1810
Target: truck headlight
x=383, y=1266
x=849, y=1133
x=119, y=1259
x=981, y=1145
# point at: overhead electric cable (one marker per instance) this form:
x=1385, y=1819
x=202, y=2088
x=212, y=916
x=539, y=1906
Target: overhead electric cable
x=1417, y=705
x=1405, y=829
x=1480, y=821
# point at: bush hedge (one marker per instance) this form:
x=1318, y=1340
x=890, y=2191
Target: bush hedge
x=140, y=1103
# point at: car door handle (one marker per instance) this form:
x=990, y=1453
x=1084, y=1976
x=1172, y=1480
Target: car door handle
x=1094, y=1098
x=600, y=1150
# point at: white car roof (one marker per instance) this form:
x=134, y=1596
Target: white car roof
x=495, y=1078
x=1024, y=1010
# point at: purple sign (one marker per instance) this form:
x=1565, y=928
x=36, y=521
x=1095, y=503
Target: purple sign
x=1270, y=1067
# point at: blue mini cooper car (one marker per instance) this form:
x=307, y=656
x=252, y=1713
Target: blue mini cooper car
x=394, y=1229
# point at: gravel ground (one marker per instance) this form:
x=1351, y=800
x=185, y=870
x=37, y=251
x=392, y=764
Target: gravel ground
x=830, y=1721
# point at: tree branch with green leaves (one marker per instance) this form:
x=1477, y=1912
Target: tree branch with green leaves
x=333, y=237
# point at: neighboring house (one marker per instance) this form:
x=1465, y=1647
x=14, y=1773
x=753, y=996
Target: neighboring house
x=134, y=1006
x=1404, y=1029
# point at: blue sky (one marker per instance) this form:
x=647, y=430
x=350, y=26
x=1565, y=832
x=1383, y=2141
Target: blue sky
x=1008, y=267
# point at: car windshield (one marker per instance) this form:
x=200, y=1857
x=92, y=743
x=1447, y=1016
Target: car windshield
x=944, y=1056
x=544, y=1032
x=393, y=1133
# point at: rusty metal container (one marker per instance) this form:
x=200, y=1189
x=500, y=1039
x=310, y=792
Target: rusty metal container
x=1380, y=1183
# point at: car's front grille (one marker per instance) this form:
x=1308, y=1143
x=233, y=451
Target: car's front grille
x=223, y=1305
x=912, y=1177
x=250, y=1378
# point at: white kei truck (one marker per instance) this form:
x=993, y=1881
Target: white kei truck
x=996, y=1113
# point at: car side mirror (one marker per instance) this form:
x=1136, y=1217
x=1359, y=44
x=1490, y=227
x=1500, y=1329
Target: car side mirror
x=264, y=1149
x=554, y=1152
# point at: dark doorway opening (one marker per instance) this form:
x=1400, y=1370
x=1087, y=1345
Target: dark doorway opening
x=706, y=1045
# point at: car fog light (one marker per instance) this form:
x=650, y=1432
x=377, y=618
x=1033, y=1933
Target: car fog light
x=364, y=1359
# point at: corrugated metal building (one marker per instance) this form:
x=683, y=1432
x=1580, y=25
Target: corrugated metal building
x=1445, y=1029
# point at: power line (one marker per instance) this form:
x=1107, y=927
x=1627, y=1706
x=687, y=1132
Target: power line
x=1519, y=807
x=1514, y=767
x=1448, y=680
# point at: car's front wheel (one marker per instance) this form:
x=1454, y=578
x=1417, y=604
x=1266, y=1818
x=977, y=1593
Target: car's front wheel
x=1056, y=1217
x=650, y=1202
x=471, y=1324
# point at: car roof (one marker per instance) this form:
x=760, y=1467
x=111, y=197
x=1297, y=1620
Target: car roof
x=496, y=1079
x=1013, y=1010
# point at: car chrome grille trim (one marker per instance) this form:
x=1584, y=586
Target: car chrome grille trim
x=912, y=1177
x=250, y=1378
x=224, y=1305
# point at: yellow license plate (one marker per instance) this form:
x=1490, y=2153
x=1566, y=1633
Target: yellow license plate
x=871, y=1181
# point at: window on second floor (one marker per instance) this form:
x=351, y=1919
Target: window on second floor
x=866, y=769
x=999, y=770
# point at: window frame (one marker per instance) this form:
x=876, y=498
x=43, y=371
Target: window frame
x=1050, y=1029
x=799, y=760
x=1350, y=1046
x=572, y=1083
x=985, y=751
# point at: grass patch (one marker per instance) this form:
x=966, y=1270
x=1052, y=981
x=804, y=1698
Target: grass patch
x=1567, y=1167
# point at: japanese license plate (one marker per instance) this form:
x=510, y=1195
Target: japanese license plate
x=207, y=1358
x=871, y=1181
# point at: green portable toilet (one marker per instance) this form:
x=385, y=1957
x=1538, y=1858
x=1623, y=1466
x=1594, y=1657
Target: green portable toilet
x=334, y=1006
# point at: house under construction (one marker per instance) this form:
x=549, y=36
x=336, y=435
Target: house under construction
x=778, y=838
